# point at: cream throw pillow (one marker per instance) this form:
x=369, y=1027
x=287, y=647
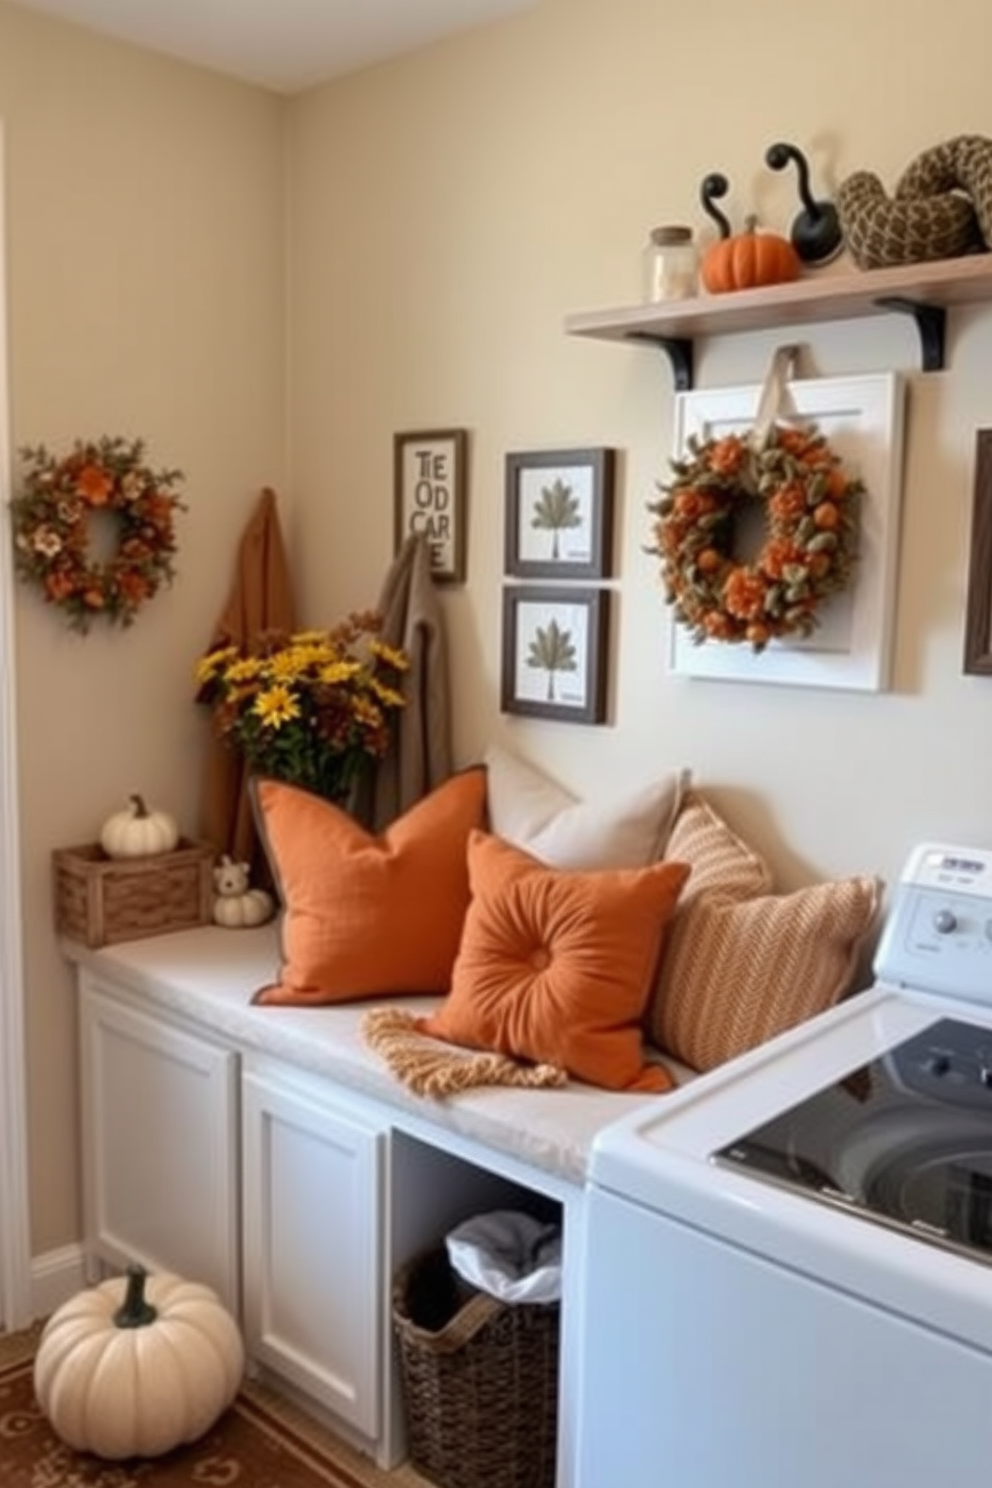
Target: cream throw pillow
x=622, y=829
x=742, y=964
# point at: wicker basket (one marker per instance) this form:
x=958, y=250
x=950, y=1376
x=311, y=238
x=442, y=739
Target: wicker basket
x=101, y=900
x=480, y=1380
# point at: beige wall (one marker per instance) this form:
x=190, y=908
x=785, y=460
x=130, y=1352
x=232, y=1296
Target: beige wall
x=445, y=213
x=146, y=272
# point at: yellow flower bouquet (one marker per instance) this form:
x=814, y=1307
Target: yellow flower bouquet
x=313, y=708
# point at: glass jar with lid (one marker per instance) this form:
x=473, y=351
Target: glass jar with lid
x=671, y=264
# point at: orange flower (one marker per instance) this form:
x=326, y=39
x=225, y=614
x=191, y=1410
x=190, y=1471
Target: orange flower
x=93, y=599
x=94, y=485
x=717, y=626
x=727, y=455
x=788, y=504
x=744, y=594
x=58, y=585
x=795, y=442
x=158, y=510
x=826, y=516
x=779, y=552
x=687, y=504
x=134, y=587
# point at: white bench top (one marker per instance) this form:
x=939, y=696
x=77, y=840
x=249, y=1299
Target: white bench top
x=209, y=975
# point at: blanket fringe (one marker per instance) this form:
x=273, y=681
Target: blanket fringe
x=429, y=1069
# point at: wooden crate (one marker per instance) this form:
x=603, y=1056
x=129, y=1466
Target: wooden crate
x=101, y=900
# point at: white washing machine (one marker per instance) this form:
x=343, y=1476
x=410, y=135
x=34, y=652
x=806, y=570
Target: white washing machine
x=789, y=1260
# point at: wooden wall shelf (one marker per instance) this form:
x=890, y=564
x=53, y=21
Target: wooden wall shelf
x=923, y=291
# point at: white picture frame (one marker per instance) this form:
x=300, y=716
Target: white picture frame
x=862, y=417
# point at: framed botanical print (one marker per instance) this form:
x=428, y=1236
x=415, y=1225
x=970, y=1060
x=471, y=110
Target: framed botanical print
x=559, y=514
x=554, y=652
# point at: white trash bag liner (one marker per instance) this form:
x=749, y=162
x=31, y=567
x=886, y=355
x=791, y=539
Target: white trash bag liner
x=508, y=1254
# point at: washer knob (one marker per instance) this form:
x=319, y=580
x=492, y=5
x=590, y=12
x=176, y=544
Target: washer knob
x=944, y=921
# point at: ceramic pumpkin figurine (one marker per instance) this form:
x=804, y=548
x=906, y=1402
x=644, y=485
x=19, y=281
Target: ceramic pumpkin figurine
x=236, y=906
x=745, y=260
x=123, y=1374
x=138, y=831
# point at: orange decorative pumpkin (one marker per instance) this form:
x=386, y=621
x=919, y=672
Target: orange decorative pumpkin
x=748, y=260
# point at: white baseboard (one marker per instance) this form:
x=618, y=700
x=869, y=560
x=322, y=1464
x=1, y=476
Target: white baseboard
x=55, y=1277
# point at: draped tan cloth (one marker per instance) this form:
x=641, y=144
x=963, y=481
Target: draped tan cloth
x=420, y=756
x=260, y=599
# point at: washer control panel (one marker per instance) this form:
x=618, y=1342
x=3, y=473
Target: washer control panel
x=938, y=935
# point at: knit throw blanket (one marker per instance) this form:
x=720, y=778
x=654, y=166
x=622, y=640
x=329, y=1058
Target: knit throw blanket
x=430, y=1069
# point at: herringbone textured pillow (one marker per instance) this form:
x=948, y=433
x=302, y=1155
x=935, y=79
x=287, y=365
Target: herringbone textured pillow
x=742, y=964
x=721, y=862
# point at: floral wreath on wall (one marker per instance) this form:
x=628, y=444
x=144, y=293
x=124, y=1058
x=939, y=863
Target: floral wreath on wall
x=52, y=519
x=811, y=509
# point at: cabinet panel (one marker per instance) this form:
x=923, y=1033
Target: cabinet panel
x=160, y=1145
x=312, y=1246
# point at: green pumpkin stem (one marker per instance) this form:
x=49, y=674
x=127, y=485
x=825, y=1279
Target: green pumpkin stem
x=134, y=1311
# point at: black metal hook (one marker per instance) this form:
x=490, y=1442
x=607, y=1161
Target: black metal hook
x=713, y=187
x=816, y=232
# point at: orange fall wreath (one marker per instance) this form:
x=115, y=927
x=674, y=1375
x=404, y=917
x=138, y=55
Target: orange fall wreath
x=811, y=509
x=52, y=517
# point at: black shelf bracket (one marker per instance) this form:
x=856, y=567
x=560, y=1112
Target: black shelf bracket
x=679, y=351
x=931, y=322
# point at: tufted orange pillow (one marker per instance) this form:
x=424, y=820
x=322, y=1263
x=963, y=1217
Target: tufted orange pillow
x=556, y=967
x=743, y=964
x=363, y=915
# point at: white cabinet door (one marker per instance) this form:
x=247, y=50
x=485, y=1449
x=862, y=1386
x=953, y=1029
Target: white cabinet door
x=160, y=1144
x=311, y=1243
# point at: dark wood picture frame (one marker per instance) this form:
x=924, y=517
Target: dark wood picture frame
x=978, y=612
x=559, y=514
x=551, y=632
x=430, y=479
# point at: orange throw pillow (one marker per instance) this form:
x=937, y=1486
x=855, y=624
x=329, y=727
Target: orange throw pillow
x=557, y=967
x=365, y=916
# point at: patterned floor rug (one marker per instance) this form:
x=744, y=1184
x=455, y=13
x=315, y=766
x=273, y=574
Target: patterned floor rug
x=260, y=1442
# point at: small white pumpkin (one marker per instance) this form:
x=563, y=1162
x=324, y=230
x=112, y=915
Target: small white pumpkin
x=121, y=1373
x=236, y=906
x=138, y=831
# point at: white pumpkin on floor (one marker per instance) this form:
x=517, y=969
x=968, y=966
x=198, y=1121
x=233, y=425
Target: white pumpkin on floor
x=138, y=1365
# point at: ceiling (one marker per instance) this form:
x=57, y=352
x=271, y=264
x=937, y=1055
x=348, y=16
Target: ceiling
x=285, y=45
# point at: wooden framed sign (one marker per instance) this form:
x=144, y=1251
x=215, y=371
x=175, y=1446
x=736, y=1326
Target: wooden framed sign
x=430, y=483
